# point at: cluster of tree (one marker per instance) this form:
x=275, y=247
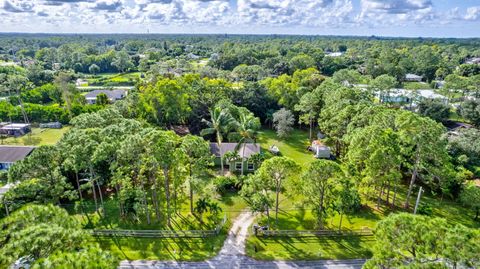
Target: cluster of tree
x=45, y=236
x=57, y=101
x=42, y=113
x=324, y=185
x=249, y=57
x=413, y=241
x=151, y=170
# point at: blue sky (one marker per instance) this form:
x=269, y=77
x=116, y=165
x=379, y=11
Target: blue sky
x=411, y=18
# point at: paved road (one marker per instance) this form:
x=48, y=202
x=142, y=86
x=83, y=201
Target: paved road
x=232, y=255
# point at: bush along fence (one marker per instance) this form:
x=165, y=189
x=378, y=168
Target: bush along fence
x=161, y=233
x=311, y=233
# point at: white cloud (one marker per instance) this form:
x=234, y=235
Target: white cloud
x=473, y=13
x=395, y=12
x=315, y=14
x=289, y=12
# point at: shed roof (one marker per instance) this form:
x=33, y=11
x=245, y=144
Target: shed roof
x=250, y=149
x=111, y=94
x=413, y=76
x=11, y=154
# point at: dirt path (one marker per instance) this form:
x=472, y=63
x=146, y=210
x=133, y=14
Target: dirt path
x=232, y=255
x=237, y=236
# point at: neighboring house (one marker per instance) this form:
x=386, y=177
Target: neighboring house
x=430, y=95
x=193, y=56
x=11, y=154
x=320, y=150
x=406, y=96
x=244, y=153
x=334, y=54
x=15, y=129
x=113, y=95
x=81, y=82
x=398, y=96
x=51, y=125
x=475, y=60
x=413, y=77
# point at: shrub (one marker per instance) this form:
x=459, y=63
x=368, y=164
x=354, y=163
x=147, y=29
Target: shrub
x=223, y=184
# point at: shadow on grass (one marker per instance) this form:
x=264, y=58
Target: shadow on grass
x=309, y=248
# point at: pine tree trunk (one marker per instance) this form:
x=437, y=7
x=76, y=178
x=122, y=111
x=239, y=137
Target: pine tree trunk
x=155, y=194
x=120, y=203
x=277, y=194
x=191, y=188
x=340, y=225
x=93, y=190
x=268, y=216
x=101, y=199
x=388, y=192
x=394, y=196
x=167, y=193
x=145, y=202
x=410, y=188
x=320, y=209
x=78, y=186
x=311, y=130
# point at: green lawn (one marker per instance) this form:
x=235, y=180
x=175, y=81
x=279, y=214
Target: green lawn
x=295, y=146
x=38, y=137
x=291, y=217
x=114, y=79
x=294, y=215
x=309, y=248
x=191, y=249
x=167, y=249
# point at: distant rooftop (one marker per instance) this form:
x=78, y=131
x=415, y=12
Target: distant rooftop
x=11, y=154
x=111, y=94
x=15, y=126
x=413, y=76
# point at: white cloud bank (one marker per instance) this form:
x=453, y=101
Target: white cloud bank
x=78, y=15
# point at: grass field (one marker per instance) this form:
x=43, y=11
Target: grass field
x=114, y=79
x=295, y=146
x=293, y=215
x=38, y=137
x=184, y=249
x=309, y=248
x=191, y=249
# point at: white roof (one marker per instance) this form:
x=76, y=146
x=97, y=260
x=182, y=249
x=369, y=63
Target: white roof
x=412, y=76
x=334, y=54
x=425, y=93
x=16, y=125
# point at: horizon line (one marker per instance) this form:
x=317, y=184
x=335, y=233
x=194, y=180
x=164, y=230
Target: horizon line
x=237, y=34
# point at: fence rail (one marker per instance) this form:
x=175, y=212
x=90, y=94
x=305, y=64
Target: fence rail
x=154, y=233
x=310, y=233
x=161, y=233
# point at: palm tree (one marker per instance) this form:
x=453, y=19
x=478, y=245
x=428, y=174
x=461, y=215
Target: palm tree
x=246, y=128
x=220, y=123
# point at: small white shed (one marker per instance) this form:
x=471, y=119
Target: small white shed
x=320, y=150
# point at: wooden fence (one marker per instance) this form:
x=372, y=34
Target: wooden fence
x=161, y=233
x=310, y=233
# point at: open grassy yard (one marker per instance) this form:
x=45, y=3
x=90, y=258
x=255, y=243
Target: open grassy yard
x=295, y=146
x=185, y=249
x=294, y=215
x=38, y=137
x=291, y=217
x=114, y=79
x=193, y=249
x=309, y=248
